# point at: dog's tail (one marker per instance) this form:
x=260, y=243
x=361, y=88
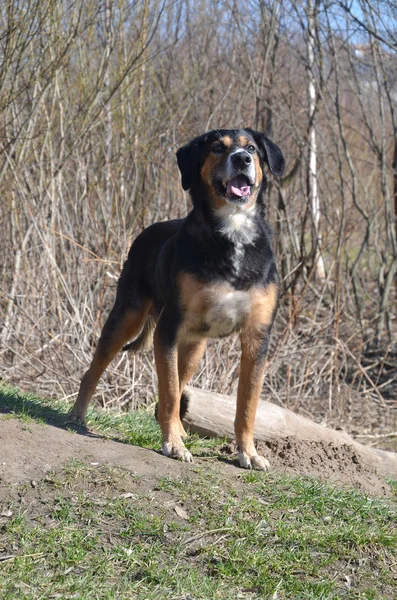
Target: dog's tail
x=145, y=339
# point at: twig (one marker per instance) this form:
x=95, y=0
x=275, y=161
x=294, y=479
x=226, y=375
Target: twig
x=367, y=377
x=375, y=436
x=209, y=532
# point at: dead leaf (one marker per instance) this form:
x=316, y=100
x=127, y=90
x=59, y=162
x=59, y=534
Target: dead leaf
x=181, y=512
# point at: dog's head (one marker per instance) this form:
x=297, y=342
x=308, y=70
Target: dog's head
x=229, y=165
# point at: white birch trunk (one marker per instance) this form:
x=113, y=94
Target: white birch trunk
x=107, y=108
x=312, y=184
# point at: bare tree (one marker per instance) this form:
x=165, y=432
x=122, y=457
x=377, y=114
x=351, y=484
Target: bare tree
x=95, y=98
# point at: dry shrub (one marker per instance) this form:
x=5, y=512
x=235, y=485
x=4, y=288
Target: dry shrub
x=95, y=100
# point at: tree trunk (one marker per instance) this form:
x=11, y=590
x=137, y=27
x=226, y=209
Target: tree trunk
x=212, y=415
x=312, y=175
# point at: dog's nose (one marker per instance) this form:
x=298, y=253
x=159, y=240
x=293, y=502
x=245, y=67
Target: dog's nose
x=241, y=159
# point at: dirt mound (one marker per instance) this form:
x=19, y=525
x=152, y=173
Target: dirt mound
x=30, y=450
x=327, y=461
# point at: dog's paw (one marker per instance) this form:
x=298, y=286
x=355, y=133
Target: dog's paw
x=75, y=420
x=260, y=463
x=176, y=451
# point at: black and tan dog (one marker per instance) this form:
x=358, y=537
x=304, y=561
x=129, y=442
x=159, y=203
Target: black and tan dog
x=205, y=276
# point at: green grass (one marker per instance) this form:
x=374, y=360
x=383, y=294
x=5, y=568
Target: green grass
x=100, y=533
x=301, y=538
x=137, y=427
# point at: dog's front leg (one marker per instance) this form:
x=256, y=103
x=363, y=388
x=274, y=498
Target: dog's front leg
x=253, y=360
x=166, y=356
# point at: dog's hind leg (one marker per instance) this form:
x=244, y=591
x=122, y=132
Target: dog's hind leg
x=189, y=355
x=122, y=324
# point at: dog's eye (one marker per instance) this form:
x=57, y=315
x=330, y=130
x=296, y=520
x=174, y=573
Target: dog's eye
x=251, y=149
x=218, y=148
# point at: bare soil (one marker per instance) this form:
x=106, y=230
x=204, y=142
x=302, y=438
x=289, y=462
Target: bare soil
x=30, y=450
x=337, y=464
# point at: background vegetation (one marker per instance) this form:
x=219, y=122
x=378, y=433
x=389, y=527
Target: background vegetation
x=96, y=97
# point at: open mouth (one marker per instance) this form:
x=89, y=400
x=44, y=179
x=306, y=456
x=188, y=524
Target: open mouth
x=236, y=190
x=239, y=187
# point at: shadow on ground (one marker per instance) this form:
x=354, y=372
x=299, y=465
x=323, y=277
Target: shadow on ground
x=142, y=431
x=26, y=406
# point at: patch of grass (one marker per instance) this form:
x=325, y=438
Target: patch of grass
x=138, y=427
x=94, y=532
x=78, y=534
x=30, y=407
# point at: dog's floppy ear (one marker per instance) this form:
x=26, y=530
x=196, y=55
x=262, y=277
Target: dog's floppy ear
x=272, y=154
x=188, y=158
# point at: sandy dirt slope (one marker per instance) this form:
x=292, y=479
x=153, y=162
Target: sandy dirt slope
x=28, y=451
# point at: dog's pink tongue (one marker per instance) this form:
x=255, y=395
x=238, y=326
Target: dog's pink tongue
x=238, y=186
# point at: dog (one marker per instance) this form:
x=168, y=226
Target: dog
x=206, y=276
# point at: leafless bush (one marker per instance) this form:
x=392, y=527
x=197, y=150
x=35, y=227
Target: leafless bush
x=95, y=97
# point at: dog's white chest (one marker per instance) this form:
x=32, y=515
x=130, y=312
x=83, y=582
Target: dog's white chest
x=224, y=311
x=212, y=310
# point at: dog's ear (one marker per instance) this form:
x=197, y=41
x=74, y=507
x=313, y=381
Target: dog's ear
x=188, y=158
x=272, y=154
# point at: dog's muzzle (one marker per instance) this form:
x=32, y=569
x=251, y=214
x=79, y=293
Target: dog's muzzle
x=242, y=171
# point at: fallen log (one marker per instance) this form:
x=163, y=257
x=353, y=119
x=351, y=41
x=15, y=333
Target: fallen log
x=212, y=415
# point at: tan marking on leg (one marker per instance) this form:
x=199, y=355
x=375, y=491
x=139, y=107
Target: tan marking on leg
x=192, y=297
x=119, y=328
x=263, y=305
x=169, y=401
x=189, y=355
x=249, y=389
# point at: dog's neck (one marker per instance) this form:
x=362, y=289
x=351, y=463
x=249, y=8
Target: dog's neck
x=236, y=223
